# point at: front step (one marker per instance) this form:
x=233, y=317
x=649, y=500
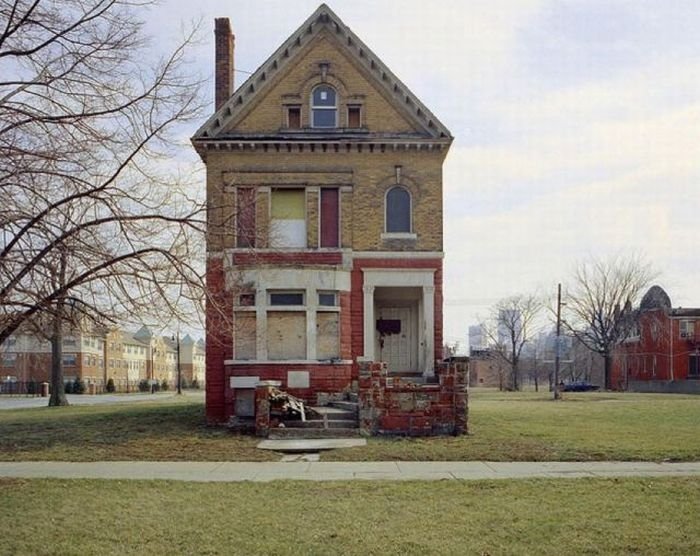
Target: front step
x=337, y=420
x=350, y=407
x=294, y=432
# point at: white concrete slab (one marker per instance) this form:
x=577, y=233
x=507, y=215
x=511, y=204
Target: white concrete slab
x=310, y=444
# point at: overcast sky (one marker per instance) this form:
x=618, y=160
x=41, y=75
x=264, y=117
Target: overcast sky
x=576, y=127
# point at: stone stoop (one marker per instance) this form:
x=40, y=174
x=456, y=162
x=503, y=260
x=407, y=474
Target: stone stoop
x=339, y=419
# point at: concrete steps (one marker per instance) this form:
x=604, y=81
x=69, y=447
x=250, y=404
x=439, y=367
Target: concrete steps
x=301, y=433
x=339, y=419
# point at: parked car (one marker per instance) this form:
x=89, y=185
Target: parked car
x=580, y=386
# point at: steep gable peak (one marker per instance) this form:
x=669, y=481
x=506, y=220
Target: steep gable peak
x=323, y=19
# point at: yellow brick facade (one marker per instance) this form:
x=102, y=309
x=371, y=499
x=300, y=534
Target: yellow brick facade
x=294, y=86
x=362, y=203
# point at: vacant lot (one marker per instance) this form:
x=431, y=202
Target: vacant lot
x=504, y=426
x=563, y=516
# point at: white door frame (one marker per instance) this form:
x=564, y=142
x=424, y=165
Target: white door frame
x=402, y=278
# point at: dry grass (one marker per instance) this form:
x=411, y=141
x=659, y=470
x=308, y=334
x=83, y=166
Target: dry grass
x=528, y=426
x=562, y=516
x=504, y=426
x=174, y=430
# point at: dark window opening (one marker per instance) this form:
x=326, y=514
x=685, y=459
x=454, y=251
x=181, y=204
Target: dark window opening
x=327, y=299
x=287, y=298
x=694, y=366
x=398, y=210
x=294, y=117
x=354, y=117
x=246, y=299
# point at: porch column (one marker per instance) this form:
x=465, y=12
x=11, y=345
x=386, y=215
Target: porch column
x=368, y=323
x=429, y=327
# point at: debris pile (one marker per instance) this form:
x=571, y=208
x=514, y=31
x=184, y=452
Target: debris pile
x=283, y=404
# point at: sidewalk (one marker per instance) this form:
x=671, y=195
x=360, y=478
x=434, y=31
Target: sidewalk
x=340, y=471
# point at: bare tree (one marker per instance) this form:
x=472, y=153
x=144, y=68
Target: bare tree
x=510, y=327
x=599, y=303
x=94, y=210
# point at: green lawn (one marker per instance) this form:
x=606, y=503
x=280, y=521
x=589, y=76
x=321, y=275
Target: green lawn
x=162, y=431
x=528, y=426
x=563, y=516
x=523, y=426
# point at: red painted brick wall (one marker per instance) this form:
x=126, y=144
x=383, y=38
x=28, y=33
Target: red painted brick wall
x=219, y=308
x=322, y=378
x=357, y=301
x=392, y=407
x=659, y=339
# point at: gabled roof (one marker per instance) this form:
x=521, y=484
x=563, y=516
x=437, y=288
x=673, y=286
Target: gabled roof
x=324, y=19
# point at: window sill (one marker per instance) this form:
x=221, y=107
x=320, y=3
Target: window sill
x=399, y=235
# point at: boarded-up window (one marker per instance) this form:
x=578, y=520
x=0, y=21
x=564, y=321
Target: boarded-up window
x=288, y=218
x=244, y=336
x=286, y=335
x=398, y=210
x=353, y=116
x=245, y=221
x=327, y=336
x=329, y=217
x=294, y=117
x=244, y=402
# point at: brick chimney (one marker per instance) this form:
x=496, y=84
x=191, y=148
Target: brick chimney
x=223, y=61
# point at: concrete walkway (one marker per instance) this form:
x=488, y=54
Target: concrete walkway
x=341, y=471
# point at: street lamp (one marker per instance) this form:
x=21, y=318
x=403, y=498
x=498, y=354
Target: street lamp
x=176, y=339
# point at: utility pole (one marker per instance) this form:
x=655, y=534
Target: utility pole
x=557, y=349
x=179, y=376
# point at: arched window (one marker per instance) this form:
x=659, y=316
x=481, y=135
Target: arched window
x=324, y=107
x=398, y=210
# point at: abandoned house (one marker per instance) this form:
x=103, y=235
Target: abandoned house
x=324, y=243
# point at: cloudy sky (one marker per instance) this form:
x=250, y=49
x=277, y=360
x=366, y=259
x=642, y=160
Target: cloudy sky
x=576, y=127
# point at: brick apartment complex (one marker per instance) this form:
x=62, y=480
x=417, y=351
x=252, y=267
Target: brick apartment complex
x=325, y=233
x=663, y=352
x=96, y=356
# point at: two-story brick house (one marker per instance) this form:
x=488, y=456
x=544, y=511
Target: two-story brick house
x=324, y=242
x=663, y=352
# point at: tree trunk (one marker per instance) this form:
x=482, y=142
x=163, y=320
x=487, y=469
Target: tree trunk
x=607, y=359
x=58, y=392
x=516, y=384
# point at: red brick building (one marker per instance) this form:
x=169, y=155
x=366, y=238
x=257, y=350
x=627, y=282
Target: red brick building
x=663, y=353
x=324, y=243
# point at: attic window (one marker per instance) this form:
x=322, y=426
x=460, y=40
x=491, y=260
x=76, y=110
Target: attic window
x=354, y=120
x=294, y=117
x=324, y=108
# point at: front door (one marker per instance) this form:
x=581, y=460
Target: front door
x=397, y=349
